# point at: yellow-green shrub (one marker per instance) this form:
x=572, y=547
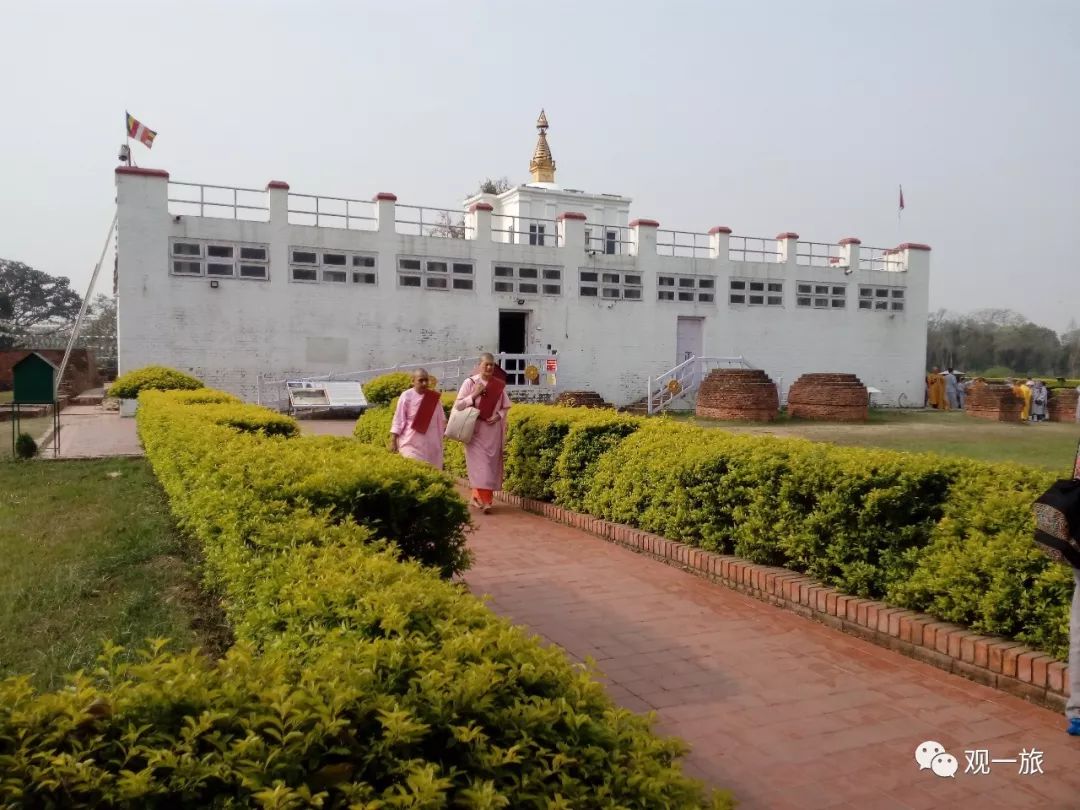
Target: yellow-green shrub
x=152, y=378
x=381, y=390
x=358, y=680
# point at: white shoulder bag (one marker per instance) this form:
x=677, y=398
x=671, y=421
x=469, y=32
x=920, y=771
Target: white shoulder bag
x=461, y=424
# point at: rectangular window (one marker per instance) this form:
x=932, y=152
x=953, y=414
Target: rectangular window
x=632, y=294
x=611, y=278
x=215, y=269
x=776, y=286
x=409, y=281
x=305, y=274
x=897, y=306
x=254, y=271
x=504, y=286
x=329, y=266
x=434, y=274
x=736, y=299
x=436, y=283
x=757, y=286
x=666, y=281
x=409, y=264
x=463, y=269
x=759, y=299
x=881, y=305
x=219, y=251
x=335, y=276
x=536, y=234
x=666, y=295
x=686, y=282
x=804, y=289
x=609, y=242
x=585, y=276
x=587, y=291
x=462, y=283
x=527, y=272
x=187, y=268
x=706, y=283
x=187, y=249
x=897, y=293
x=254, y=254
x=504, y=272
x=363, y=278
x=527, y=289
x=336, y=259
x=776, y=301
x=803, y=301
x=821, y=289
x=524, y=280
x=686, y=296
x=363, y=261
x=436, y=267
x=863, y=304
x=738, y=285
x=705, y=298
x=552, y=289
x=304, y=257
x=552, y=275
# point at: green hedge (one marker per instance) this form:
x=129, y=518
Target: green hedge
x=358, y=680
x=946, y=536
x=373, y=428
x=152, y=378
x=382, y=390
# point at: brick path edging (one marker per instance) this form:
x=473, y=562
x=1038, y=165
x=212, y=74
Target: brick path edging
x=996, y=662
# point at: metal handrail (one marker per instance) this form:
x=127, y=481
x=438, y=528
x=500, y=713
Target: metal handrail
x=319, y=213
x=675, y=245
x=550, y=236
x=688, y=374
x=884, y=259
x=739, y=254
x=621, y=242
x=817, y=254
x=450, y=229
x=235, y=206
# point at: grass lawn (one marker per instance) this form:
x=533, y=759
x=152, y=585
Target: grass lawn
x=90, y=552
x=37, y=428
x=1050, y=445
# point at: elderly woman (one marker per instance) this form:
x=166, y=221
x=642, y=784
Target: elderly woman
x=485, y=390
x=419, y=423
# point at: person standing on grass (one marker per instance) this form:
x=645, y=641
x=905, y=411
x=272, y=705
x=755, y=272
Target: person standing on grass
x=935, y=389
x=952, y=394
x=485, y=390
x=1039, y=397
x=419, y=423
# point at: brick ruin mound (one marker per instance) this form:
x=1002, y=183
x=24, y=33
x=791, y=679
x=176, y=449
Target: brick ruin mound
x=993, y=401
x=829, y=398
x=581, y=399
x=1062, y=404
x=738, y=393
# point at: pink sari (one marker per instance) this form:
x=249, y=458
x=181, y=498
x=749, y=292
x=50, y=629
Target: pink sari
x=484, y=452
x=426, y=446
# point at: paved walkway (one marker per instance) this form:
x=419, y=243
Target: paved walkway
x=89, y=431
x=785, y=712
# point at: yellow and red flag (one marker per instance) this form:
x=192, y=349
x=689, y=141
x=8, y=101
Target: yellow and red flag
x=140, y=132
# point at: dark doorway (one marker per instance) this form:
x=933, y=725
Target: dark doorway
x=512, y=332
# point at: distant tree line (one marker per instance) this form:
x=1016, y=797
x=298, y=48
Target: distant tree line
x=1000, y=342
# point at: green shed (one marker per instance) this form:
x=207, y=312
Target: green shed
x=34, y=381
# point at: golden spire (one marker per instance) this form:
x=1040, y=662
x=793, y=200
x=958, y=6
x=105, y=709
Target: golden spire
x=542, y=167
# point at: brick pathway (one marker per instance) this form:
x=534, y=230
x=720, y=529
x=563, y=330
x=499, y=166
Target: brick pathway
x=783, y=711
x=89, y=431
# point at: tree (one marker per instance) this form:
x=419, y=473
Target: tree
x=447, y=227
x=34, y=300
x=496, y=186
x=100, y=321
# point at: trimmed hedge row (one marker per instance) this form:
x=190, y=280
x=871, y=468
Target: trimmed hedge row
x=949, y=537
x=358, y=679
x=382, y=390
x=152, y=378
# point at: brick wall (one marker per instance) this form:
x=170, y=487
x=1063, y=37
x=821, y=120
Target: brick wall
x=81, y=373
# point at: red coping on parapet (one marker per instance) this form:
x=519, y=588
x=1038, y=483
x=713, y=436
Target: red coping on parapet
x=278, y=184
x=143, y=172
x=787, y=235
x=649, y=223
x=481, y=206
x=850, y=240
x=384, y=195
x=719, y=229
x=571, y=215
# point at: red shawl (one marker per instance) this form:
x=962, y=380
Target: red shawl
x=429, y=401
x=492, y=396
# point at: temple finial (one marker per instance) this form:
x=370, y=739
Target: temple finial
x=542, y=166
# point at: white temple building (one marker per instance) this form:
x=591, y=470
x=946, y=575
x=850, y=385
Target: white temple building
x=247, y=288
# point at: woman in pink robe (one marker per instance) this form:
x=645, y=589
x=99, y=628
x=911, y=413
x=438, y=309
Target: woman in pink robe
x=411, y=437
x=484, y=452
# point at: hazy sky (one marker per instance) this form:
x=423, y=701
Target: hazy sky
x=766, y=116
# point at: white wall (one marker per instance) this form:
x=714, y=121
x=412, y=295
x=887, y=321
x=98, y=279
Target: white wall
x=229, y=335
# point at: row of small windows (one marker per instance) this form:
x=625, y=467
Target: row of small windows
x=756, y=293
x=435, y=274
x=528, y=280
x=200, y=257
x=609, y=285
